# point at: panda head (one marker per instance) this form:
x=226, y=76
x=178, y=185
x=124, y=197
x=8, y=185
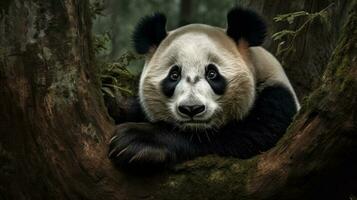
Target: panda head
x=198, y=76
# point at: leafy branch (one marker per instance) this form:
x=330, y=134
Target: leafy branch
x=115, y=76
x=287, y=37
x=100, y=42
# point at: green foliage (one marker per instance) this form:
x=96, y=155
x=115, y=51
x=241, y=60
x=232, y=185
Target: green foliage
x=116, y=78
x=96, y=8
x=100, y=42
x=287, y=37
x=289, y=17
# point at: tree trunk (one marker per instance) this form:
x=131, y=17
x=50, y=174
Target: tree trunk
x=54, y=128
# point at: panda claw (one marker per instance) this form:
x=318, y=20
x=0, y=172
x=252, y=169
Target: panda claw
x=132, y=159
x=111, y=153
x=121, y=152
x=113, y=138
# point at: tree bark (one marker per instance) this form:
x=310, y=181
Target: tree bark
x=54, y=128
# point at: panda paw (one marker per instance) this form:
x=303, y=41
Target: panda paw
x=136, y=145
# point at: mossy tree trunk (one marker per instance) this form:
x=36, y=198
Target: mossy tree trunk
x=53, y=125
x=54, y=128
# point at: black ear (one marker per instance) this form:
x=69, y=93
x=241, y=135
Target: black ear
x=246, y=24
x=149, y=32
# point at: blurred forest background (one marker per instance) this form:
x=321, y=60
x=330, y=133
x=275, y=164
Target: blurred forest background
x=115, y=20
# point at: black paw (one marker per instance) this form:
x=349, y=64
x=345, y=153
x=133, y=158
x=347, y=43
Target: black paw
x=138, y=145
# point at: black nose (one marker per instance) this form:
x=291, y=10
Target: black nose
x=191, y=110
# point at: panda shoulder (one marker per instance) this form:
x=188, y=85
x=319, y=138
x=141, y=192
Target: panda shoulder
x=269, y=71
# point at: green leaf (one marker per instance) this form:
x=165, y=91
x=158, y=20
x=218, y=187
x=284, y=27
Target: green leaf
x=280, y=48
x=289, y=17
x=119, y=88
x=284, y=33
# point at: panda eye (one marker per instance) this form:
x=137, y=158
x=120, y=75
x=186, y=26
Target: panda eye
x=175, y=75
x=211, y=74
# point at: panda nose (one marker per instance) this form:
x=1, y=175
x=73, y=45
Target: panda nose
x=191, y=110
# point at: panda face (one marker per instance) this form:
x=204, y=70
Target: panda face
x=193, y=102
x=196, y=79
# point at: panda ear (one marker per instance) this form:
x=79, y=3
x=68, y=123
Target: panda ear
x=149, y=32
x=246, y=24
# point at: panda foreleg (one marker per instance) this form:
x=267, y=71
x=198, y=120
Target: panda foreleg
x=145, y=145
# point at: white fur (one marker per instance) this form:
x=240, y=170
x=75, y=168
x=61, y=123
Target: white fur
x=268, y=68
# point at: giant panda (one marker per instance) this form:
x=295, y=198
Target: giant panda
x=204, y=90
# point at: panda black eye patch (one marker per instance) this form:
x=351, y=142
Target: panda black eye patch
x=217, y=82
x=169, y=83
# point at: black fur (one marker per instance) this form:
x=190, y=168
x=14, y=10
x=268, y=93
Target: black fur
x=265, y=124
x=267, y=121
x=219, y=83
x=124, y=109
x=156, y=139
x=133, y=112
x=167, y=85
x=149, y=32
x=246, y=24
